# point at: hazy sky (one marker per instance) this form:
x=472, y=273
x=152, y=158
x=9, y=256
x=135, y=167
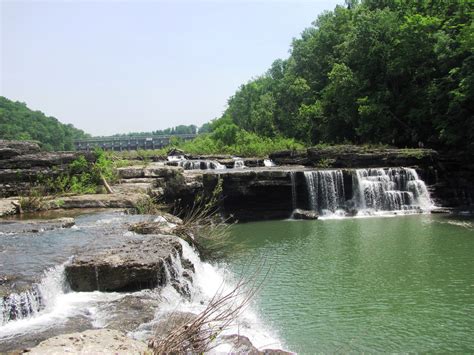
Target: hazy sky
x=120, y=66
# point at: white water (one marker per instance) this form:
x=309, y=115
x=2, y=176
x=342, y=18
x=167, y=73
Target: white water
x=201, y=165
x=374, y=192
x=293, y=190
x=268, y=163
x=59, y=304
x=393, y=189
x=326, y=190
x=207, y=281
x=176, y=157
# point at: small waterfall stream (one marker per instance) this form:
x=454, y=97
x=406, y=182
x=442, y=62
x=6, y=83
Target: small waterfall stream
x=293, y=190
x=28, y=303
x=200, y=164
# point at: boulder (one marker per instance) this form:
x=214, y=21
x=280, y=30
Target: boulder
x=96, y=341
x=8, y=207
x=305, y=214
x=138, y=264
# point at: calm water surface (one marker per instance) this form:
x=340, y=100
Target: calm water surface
x=399, y=284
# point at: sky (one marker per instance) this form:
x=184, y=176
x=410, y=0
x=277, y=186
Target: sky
x=132, y=66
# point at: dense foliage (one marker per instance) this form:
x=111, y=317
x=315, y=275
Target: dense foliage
x=18, y=122
x=380, y=71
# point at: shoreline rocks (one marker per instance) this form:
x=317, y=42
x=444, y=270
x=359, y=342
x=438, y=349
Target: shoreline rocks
x=94, y=341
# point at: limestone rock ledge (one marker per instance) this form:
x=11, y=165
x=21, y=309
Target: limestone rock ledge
x=96, y=341
x=138, y=264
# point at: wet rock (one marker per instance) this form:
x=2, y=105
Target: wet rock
x=305, y=214
x=138, y=264
x=239, y=344
x=97, y=341
x=129, y=312
x=35, y=226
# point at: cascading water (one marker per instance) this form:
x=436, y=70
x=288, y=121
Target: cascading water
x=392, y=189
x=207, y=281
x=200, y=165
x=50, y=304
x=325, y=190
x=293, y=189
x=374, y=191
x=28, y=303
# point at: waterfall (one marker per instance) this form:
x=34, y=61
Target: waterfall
x=28, y=303
x=392, y=189
x=375, y=191
x=325, y=190
x=293, y=189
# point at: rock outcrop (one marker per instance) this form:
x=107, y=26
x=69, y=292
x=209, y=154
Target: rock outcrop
x=96, y=341
x=138, y=264
x=351, y=156
x=23, y=164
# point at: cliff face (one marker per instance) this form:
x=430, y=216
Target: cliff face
x=23, y=165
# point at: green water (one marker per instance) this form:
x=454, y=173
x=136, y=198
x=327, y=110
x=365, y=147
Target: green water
x=400, y=284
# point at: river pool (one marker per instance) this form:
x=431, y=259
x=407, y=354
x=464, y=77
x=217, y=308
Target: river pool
x=380, y=284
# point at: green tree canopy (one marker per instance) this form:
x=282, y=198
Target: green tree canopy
x=18, y=122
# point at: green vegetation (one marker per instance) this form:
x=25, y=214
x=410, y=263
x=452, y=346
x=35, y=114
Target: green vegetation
x=82, y=176
x=393, y=72
x=18, y=122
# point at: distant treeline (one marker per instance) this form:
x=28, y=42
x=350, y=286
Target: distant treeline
x=181, y=129
x=377, y=71
x=18, y=122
